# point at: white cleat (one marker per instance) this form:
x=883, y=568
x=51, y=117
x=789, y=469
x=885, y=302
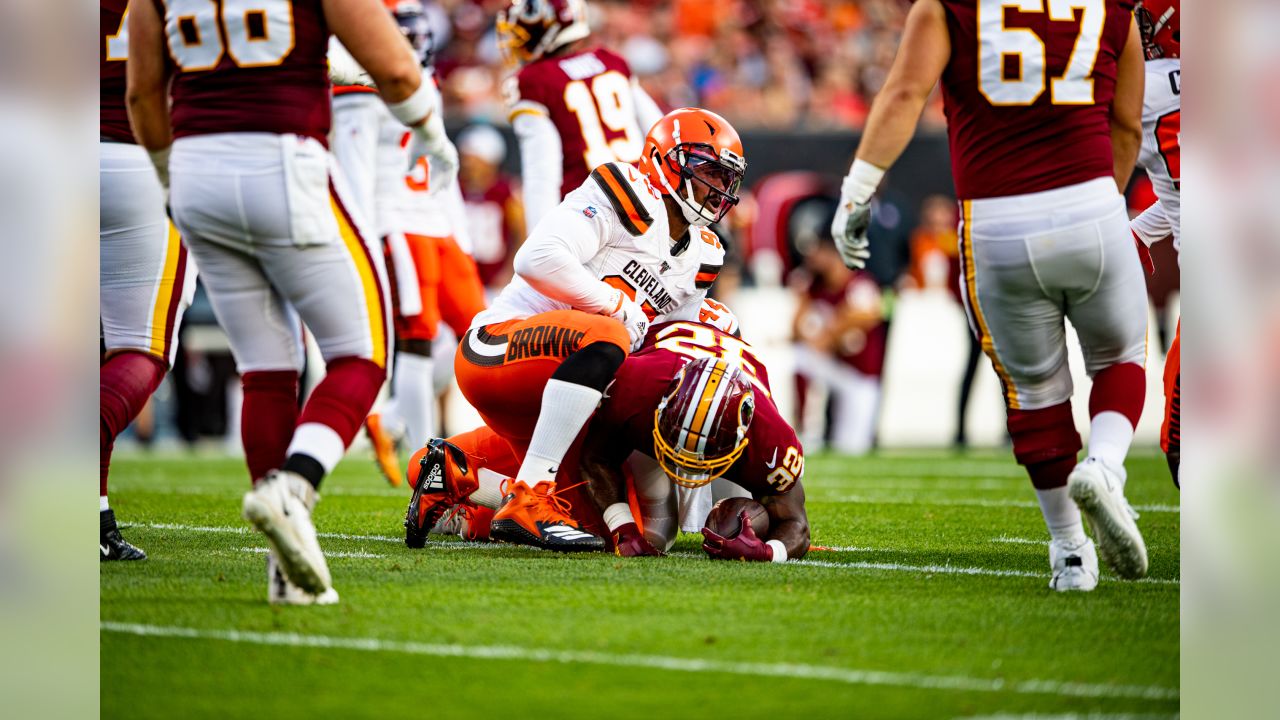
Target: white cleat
x=280, y=591
x=1099, y=493
x=280, y=506
x=1074, y=564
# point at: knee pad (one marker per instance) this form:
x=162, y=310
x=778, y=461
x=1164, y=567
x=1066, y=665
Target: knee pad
x=593, y=366
x=1044, y=435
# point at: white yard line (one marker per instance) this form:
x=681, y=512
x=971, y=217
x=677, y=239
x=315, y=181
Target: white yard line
x=856, y=565
x=848, y=676
x=328, y=554
x=966, y=502
x=1018, y=540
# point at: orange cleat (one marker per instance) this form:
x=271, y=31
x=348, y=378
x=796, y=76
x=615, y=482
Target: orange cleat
x=384, y=449
x=476, y=520
x=539, y=517
x=440, y=477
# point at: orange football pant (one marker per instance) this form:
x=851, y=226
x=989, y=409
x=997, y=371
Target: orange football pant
x=1171, y=428
x=448, y=283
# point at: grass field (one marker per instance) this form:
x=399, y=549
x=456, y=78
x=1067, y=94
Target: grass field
x=933, y=602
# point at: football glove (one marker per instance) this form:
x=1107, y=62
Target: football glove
x=746, y=545
x=633, y=318
x=850, y=232
x=430, y=141
x=628, y=541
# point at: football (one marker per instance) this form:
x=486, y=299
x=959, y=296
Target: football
x=723, y=518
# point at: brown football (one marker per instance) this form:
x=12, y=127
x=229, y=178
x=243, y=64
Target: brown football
x=723, y=518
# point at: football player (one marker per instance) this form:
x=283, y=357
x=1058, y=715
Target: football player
x=628, y=247
x=689, y=408
x=1159, y=21
x=572, y=107
x=233, y=107
x=419, y=217
x=1041, y=148
x=146, y=280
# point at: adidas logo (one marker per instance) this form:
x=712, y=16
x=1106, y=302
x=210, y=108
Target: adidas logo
x=435, y=479
x=564, y=532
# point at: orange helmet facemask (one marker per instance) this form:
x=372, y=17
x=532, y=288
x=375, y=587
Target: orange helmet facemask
x=692, y=149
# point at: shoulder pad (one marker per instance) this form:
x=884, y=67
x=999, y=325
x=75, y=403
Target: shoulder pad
x=621, y=185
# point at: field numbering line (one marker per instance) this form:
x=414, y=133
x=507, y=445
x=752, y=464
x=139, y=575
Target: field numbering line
x=800, y=671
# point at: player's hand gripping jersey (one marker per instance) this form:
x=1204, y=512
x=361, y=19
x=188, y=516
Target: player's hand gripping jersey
x=573, y=109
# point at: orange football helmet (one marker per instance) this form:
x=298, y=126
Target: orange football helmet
x=529, y=29
x=692, y=148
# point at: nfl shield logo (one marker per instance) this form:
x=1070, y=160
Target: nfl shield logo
x=590, y=211
x=665, y=266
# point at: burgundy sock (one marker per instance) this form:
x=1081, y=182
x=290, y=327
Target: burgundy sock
x=267, y=418
x=1045, y=441
x=126, y=380
x=342, y=400
x=1120, y=388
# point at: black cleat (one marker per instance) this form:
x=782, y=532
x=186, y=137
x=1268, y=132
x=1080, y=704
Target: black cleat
x=440, y=479
x=111, y=545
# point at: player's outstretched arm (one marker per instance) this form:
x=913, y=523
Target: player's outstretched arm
x=1126, y=108
x=922, y=56
x=147, y=95
x=788, y=521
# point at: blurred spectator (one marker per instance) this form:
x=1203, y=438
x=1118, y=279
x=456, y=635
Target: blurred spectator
x=810, y=64
x=495, y=215
x=839, y=333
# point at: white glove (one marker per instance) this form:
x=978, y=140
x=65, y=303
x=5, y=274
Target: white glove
x=853, y=215
x=430, y=141
x=849, y=230
x=343, y=69
x=632, y=317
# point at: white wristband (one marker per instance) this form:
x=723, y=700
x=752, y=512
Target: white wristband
x=861, y=182
x=779, y=550
x=617, y=515
x=414, y=109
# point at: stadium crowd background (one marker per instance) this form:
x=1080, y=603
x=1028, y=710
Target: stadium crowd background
x=798, y=64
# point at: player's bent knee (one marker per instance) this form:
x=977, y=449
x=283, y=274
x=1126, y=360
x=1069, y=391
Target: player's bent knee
x=593, y=366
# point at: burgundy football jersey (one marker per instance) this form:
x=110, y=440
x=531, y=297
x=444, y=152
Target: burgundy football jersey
x=487, y=224
x=864, y=352
x=113, y=49
x=588, y=96
x=773, y=460
x=1028, y=92
x=264, y=69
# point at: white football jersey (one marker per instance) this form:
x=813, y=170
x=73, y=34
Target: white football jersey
x=1161, y=137
x=616, y=225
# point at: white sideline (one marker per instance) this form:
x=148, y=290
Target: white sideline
x=856, y=565
x=848, y=676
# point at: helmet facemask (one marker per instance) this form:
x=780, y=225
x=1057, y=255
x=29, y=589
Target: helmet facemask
x=700, y=425
x=700, y=166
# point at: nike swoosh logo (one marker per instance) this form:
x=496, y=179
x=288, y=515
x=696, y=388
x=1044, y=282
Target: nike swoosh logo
x=105, y=550
x=773, y=460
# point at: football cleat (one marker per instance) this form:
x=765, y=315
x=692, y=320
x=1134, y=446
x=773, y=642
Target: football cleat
x=282, y=592
x=280, y=507
x=111, y=546
x=384, y=448
x=1074, y=564
x=539, y=517
x=440, y=477
x=1099, y=493
x=467, y=520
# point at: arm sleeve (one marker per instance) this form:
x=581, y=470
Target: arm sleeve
x=553, y=260
x=1152, y=225
x=541, y=164
x=648, y=113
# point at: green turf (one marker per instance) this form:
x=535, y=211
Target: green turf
x=897, y=626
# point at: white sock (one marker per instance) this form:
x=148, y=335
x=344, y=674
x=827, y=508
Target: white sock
x=566, y=407
x=489, y=494
x=415, y=400
x=102, y=504
x=1060, y=514
x=1110, y=435
x=318, y=441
